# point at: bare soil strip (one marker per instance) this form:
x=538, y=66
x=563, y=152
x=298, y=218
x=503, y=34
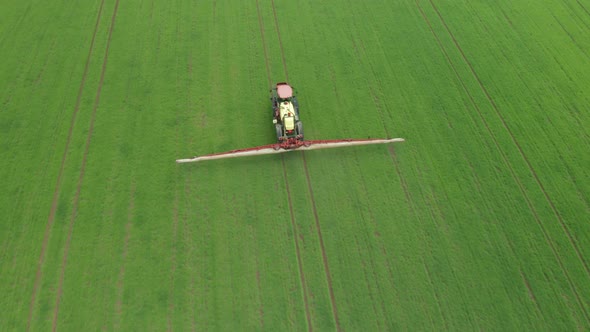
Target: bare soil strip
x=322, y=246
x=513, y=138
x=546, y=236
x=82, y=170
x=51, y=218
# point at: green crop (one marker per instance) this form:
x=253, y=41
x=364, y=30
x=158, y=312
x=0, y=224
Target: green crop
x=479, y=221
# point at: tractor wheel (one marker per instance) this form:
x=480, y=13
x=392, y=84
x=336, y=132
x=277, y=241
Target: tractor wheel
x=299, y=128
x=279, y=130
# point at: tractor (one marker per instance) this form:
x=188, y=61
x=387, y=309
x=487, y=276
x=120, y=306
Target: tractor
x=288, y=127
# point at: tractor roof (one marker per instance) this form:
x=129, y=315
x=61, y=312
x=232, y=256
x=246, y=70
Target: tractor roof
x=284, y=90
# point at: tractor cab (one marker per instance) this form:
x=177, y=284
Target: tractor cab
x=284, y=91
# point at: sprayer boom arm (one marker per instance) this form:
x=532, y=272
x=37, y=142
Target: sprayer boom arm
x=299, y=145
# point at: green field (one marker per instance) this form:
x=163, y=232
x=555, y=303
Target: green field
x=479, y=221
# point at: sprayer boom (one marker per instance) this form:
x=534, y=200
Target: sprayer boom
x=290, y=146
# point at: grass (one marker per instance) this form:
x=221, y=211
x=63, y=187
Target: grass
x=478, y=221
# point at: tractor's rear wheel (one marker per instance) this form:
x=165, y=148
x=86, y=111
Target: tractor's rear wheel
x=279, y=130
x=299, y=126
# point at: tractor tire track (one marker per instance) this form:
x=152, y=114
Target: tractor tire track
x=261, y=307
x=312, y=199
x=525, y=280
x=189, y=240
x=409, y=200
x=580, y=15
x=274, y=13
x=39, y=78
x=173, y=263
x=192, y=289
x=377, y=103
x=574, y=116
x=175, y=205
x=259, y=288
x=56, y=192
x=104, y=238
x=564, y=227
x=121, y=277
x=187, y=235
x=402, y=181
x=391, y=152
x=173, y=258
x=83, y=168
x=297, y=249
x=529, y=289
x=206, y=275
x=506, y=239
x=374, y=224
x=196, y=246
x=254, y=239
x=322, y=246
x=412, y=208
x=368, y=284
x=290, y=202
x=583, y=7
x=266, y=62
x=16, y=26
x=436, y=296
x=546, y=236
